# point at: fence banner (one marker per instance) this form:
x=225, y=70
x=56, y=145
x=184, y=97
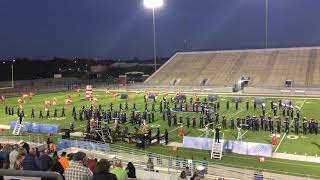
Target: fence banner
x=67, y=143
x=197, y=143
x=258, y=149
x=238, y=147
x=37, y=127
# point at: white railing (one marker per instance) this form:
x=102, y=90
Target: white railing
x=29, y=137
x=175, y=164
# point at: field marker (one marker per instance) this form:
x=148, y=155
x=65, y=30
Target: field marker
x=174, y=129
x=235, y=114
x=289, y=126
x=280, y=141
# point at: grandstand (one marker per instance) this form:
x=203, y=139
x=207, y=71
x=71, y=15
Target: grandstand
x=276, y=68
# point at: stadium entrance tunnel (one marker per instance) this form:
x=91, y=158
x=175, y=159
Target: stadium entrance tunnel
x=242, y=82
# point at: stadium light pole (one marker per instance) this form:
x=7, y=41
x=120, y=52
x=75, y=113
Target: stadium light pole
x=12, y=74
x=267, y=23
x=153, y=4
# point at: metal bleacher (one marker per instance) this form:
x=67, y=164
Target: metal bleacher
x=266, y=67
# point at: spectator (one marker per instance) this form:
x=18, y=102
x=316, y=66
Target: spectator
x=20, y=157
x=24, y=145
x=70, y=156
x=188, y=172
x=31, y=161
x=37, y=152
x=102, y=171
x=77, y=169
x=4, y=156
x=118, y=171
x=64, y=160
x=183, y=176
x=91, y=163
x=48, y=143
x=55, y=154
x=13, y=155
x=17, y=165
x=45, y=161
x=56, y=167
x=150, y=165
x=195, y=176
x=131, y=170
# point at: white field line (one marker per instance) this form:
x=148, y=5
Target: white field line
x=244, y=134
x=174, y=129
x=289, y=126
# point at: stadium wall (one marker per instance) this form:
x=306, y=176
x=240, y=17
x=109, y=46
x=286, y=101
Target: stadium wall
x=285, y=91
x=183, y=88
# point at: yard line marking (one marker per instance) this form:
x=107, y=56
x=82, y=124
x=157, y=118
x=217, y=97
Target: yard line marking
x=280, y=141
x=201, y=135
x=174, y=129
x=235, y=114
x=244, y=134
x=289, y=126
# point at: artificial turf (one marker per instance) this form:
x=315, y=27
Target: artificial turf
x=305, y=144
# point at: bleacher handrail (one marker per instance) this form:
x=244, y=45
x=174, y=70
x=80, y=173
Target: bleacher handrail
x=169, y=162
x=43, y=174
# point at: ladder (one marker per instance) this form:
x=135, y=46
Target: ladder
x=17, y=128
x=104, y=133
x=217, y=148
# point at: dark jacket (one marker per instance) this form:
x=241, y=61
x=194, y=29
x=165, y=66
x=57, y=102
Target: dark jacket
x=100, y=176
x=132, y=173
x=45, y=162
x=30, y=163
x=56, y=167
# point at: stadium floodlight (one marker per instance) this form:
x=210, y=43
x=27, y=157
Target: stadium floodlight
x=153, y=4
x=12, y=73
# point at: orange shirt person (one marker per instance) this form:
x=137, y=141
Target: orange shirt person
x=64, y=160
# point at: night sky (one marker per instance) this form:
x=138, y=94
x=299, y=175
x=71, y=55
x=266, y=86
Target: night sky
x=123, y=28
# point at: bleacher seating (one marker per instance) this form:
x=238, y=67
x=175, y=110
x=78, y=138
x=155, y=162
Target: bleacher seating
x=266, y=67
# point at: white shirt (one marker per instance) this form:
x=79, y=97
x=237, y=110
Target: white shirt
x=12, y=157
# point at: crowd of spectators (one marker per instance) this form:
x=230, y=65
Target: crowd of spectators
x=73, y=166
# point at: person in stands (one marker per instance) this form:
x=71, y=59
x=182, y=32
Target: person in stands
x=91, y=163
x=13, y=155
x=183, y=176
x=64, y=160
x=118, y=171
x=31, y=161
x=24, y=145
x=78, y=170
x=131, y=170
x=45, y=161
x=102, y=171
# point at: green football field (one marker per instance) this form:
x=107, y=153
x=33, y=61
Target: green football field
x=301, y=144
x=298, y=144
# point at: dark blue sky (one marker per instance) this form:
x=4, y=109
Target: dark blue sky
x=123, y=28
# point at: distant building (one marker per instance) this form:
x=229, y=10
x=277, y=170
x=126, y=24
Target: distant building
x=97, y=70
x=132, y=77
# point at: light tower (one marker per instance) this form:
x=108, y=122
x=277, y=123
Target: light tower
x=153, y=4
